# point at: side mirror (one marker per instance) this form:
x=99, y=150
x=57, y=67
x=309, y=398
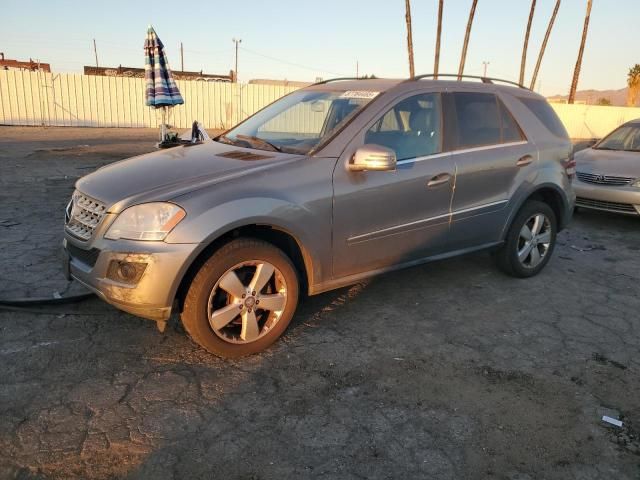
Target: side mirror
x=372, y=157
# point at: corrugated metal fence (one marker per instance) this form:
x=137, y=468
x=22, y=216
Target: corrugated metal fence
x=34, y=98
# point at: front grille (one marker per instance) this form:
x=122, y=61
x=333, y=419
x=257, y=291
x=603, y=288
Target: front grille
x=602, y=205
x=604, y=179
x=84, y=214
x=88, y=257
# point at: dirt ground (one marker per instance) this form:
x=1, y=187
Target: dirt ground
x=450, y=370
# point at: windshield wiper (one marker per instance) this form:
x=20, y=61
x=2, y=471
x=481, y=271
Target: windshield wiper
x=259, y=141
x=225, y=139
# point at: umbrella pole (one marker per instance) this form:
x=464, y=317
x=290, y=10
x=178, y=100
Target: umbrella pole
x=163, y=125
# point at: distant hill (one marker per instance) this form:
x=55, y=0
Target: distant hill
x=616, y=97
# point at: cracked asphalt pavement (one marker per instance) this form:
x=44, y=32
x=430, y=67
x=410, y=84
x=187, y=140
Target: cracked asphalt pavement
x=449, y=370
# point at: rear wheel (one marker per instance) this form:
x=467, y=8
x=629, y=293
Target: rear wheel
x=530, y=241
x=242, y=299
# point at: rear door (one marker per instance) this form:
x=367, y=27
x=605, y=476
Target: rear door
x=492, y=156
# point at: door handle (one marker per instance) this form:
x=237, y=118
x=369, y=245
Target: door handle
x=524, y=161
x=439, y=179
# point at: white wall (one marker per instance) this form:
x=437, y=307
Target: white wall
x=592, y=121
x=33, y=98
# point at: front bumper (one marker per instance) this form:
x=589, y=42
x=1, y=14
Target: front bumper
x=624, y=200
x=153, y=295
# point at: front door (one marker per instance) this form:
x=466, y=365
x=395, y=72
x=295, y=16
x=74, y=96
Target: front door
x=382, y=219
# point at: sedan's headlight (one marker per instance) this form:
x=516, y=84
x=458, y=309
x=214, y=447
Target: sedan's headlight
x=148, y=221
x=636, y=183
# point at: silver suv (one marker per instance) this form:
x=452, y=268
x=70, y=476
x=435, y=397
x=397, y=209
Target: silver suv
x=329, y=185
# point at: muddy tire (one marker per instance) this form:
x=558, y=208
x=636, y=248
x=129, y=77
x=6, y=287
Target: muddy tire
x=242, y=299
x=530, y=241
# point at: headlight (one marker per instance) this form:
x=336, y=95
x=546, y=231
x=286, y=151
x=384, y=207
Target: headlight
x=636, y=183
x=148, y=221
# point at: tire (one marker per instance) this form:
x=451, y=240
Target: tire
x=508, y=258
x=210, y=300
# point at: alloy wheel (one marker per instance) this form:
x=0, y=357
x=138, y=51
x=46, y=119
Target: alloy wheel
x=247, y=301
x=534, y=240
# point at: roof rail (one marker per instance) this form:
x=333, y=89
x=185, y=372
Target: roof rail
x=329, y=80
x=460, y=77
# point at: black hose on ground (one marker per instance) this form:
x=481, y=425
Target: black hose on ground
x=31, y=302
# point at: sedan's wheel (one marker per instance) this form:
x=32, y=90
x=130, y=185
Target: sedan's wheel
x=530, y=241
x=242, y=299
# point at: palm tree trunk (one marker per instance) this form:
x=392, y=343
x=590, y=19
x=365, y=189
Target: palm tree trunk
x=436, y=64
x=576, y=71
x=407, y=17
x=526, y=42
x=544, y=44
x=465, y=45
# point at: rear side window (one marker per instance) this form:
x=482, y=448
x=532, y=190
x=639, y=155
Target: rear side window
x=511, y=131
x=482, y=119
x=544, y=112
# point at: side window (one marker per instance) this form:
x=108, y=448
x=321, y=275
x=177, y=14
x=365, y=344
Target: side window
x=478, y=119
x=411, y=128
x=541, y=109
x=511, y=131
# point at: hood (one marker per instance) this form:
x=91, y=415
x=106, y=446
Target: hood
x=608, y=162
x=165, y=174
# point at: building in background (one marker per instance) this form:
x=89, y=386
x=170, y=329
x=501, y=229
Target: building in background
x=31, y=66
x=132, y=72
x=281, y=83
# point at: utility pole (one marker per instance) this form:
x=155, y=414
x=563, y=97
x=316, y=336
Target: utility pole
x=485, y=65
x=357, y=68
x=95, y=51
x=237, y=41
x=181, y=57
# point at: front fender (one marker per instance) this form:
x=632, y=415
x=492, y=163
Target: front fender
x=310, y=228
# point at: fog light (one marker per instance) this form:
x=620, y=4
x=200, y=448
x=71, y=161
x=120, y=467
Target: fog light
x=126, y=272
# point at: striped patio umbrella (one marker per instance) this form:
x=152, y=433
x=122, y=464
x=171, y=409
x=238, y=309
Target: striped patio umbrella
x=161, y=90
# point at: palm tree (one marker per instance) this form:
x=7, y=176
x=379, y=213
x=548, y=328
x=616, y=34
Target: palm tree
x=633, y=81
x=465, y=45
x=576, y=71
x=436, y=64
x=544, y=44
x=407, y=17
x=526, y=42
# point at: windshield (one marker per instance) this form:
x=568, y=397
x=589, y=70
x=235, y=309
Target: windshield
x=298, y=122
x=626, y=138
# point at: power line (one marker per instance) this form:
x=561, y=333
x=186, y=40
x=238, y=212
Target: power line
x=307, y=67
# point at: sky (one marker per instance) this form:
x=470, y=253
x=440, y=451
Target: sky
x=298, y=40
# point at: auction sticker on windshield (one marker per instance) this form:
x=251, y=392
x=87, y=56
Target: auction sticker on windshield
x=359, y=94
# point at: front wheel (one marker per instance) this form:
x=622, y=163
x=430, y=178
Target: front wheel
x=242, y=299
x=530, y=241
